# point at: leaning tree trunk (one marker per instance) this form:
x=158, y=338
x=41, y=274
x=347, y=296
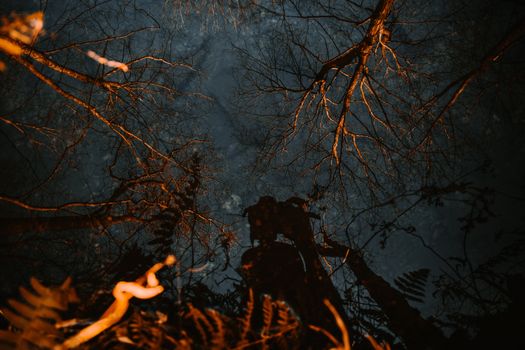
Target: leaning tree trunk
x=406, y=321
x=268, y=218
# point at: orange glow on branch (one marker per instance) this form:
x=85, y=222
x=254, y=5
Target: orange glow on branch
x=106, y=62
x=122, y=292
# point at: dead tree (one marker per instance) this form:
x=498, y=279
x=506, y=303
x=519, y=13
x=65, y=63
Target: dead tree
x=273, y=267
x=295, y=274
x=406, y=321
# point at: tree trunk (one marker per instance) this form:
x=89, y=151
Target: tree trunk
x=403, y=319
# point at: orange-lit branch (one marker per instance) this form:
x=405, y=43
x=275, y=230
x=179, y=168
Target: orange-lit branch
x=49, y=63
x=126, y=135
x=104, y=61
x=376, y=345
x=20, y=30
x=122, y=292
x=356, y=54
x=31, y=207
x=345, y=345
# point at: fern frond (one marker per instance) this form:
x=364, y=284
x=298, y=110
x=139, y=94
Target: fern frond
x=267, y=310
x=413, y=284
x=36, y=316
x=285, y=316
x=199, y=319
x=218, y=340
x=246, y=321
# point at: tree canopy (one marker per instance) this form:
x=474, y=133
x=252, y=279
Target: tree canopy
x=284, y=174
